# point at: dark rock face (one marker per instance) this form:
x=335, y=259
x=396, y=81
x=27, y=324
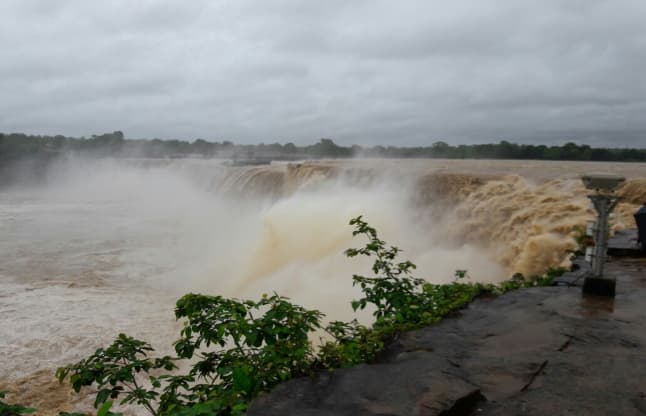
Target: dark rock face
x=542, y=351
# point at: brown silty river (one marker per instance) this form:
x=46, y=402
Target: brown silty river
x=107, y=246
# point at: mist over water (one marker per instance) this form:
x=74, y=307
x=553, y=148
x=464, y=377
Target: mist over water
x=107, y=246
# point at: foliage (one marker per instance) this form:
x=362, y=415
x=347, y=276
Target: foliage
x=235, y=356
x=251, y=354
x=115, y=371
x=396, y=295
x=19, y=146
x=17, y=410
x=13, y=409
x=351, y=344
x=104, y=410
x=402, y=301
x=239, y=348
x=582, y=239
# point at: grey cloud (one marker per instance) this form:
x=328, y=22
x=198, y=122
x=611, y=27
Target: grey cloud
x=404, y=73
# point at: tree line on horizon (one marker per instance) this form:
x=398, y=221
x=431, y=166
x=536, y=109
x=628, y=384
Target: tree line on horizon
x=17, y=146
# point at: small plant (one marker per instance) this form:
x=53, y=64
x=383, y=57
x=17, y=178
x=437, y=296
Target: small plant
x=461, y=274
x=351, y=344
x=115, y=370
x=104, y=410
x=18, y=410
x=236, y=356
x=402, y=301
x=7, y=409
x=251, y=354
x=396, y=295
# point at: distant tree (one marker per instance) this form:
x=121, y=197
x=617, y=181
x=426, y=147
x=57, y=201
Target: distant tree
x=552, y=153
x=202, y=147
x=15, y=146
x=440, y=149
x=290, y=148
x=569, y=151
x=507, y=150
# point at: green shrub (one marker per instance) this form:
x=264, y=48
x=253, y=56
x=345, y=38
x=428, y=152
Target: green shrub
x=236, y=356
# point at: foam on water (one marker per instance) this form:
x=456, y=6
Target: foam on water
x=106, y=246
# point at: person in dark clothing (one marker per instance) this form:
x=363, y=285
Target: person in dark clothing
x=640, y=220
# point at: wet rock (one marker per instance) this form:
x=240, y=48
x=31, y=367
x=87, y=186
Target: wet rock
x=540, y=351
x=624, y=244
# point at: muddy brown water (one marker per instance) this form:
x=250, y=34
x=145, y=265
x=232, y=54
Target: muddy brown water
x=107, y=246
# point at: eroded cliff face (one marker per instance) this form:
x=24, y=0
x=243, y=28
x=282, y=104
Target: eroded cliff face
x=526, y=224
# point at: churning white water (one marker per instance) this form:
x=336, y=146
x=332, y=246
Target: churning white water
x=108, y=246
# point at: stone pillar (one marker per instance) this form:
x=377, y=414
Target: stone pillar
x=597, y=283
x=604, y=202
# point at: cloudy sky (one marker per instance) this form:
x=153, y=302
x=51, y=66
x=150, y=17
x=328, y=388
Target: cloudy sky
x=357, y=71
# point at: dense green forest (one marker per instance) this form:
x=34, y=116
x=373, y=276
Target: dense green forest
x=15, y=146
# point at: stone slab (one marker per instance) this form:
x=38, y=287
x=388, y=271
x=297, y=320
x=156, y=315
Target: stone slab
x=624, y=244
x=538, y=351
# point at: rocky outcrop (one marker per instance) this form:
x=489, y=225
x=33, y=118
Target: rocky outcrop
x=540, y=351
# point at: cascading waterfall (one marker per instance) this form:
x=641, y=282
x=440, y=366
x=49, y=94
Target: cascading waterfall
x=107, y=246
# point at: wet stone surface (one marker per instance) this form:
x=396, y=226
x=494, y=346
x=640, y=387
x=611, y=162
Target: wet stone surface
x=624, y=243
x=539, y=351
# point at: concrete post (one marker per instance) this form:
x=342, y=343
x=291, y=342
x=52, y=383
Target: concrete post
x=604, y=202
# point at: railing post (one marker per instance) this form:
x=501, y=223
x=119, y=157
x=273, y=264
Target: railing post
x=604, y=202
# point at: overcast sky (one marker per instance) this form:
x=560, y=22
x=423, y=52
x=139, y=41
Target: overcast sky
x=366, y=72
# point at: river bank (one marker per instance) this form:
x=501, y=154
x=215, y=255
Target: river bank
x=538, y=351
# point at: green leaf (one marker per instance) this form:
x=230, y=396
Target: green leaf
x=104, y=410
x=101, y=396
x=242, y=381
x=13, y=409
